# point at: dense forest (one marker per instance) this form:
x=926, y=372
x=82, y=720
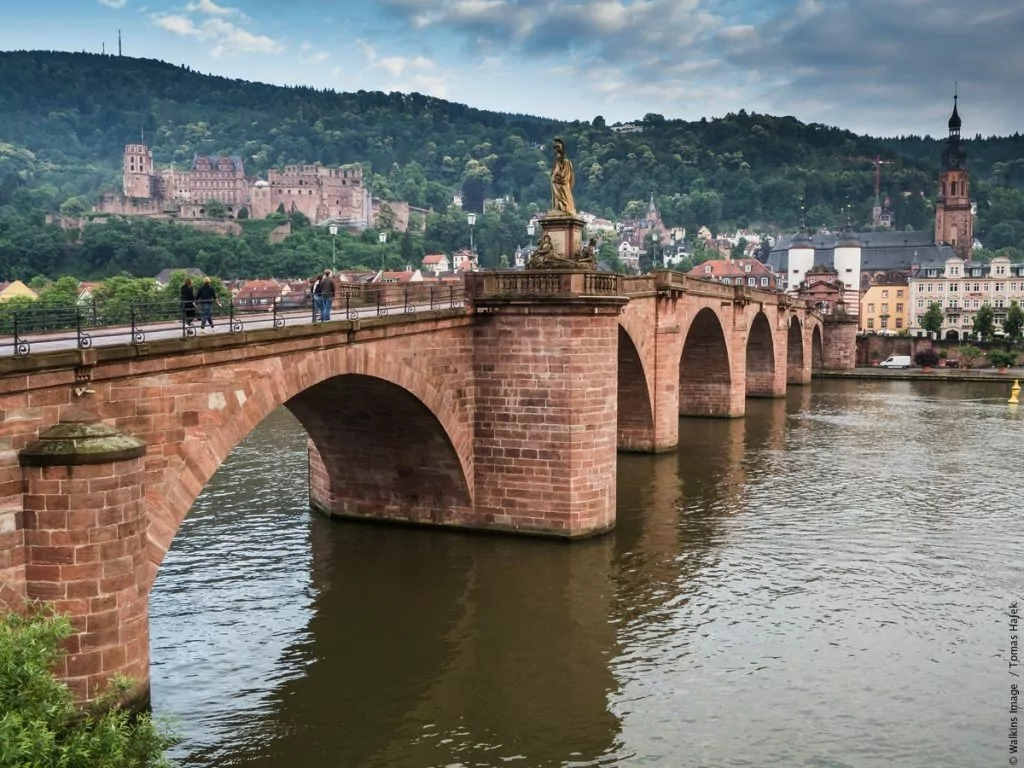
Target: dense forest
x=65, y=118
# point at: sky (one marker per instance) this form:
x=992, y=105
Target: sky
x=882, y=67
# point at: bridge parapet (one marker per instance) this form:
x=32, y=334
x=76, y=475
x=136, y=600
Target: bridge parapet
x=508, y=285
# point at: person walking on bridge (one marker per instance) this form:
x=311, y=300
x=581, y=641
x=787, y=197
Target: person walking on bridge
x=326, y=295
x=207, y=296
x=188, y=302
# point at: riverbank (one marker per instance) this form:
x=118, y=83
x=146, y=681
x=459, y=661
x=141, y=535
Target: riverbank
x=985, y=375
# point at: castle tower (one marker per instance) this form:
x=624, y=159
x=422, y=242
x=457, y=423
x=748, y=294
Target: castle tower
x=954, y=224
x=138, y=172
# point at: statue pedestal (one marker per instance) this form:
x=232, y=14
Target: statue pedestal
x=566, y=231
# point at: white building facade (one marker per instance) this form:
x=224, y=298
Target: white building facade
x=961, y=288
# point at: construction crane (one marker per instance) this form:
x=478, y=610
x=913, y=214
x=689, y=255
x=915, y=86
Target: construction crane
x=877, y=162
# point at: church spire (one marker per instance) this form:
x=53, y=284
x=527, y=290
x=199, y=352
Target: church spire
x=954, y=119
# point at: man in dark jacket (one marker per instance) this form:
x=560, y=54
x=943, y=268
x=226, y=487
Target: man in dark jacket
x=188, y=302
x=206, y=296
x=327, y=295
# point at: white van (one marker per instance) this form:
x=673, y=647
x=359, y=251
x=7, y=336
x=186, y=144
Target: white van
x=895, y=361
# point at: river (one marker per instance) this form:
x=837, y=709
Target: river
x=824, y=582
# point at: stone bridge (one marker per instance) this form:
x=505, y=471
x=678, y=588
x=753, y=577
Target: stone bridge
x=505, y=415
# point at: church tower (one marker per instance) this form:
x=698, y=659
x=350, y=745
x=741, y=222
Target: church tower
x=954, y=224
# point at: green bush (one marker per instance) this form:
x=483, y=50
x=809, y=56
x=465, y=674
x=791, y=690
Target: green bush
x=1000, y=358
x=41, y=727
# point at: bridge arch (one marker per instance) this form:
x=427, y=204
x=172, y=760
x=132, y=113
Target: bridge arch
x=635, y=408
x=817, y=349
x=794, y=352
x=705, y=371
x=760, y=358
x=403, y=442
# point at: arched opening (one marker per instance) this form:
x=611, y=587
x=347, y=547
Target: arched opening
x=635, y=414
x=795, y=353
x=952, y=335
x=760, y=358
x=377, y=451
x=705, y=381
x=817, y=350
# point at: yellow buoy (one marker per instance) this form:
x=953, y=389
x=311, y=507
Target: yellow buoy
x=1014, y=392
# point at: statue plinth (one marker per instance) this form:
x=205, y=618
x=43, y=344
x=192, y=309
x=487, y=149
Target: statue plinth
x=561, y=244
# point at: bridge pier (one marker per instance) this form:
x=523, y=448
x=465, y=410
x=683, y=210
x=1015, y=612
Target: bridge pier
x=546, y=350
x=85, y=543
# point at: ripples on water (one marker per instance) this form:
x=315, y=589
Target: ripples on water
x=822, y=583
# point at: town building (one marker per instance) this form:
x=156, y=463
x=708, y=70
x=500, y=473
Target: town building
x=884, y=305
x=961, y=288
x=860, y=258
x=16, y=289
x=436, y=263
x=749, y=272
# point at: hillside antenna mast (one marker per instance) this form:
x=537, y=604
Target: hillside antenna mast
x=119, y=42
x=103, y=49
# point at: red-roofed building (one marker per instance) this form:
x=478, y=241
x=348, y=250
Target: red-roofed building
x=436, y=263
x=749, y=272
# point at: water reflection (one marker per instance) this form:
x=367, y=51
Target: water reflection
x=803, y=586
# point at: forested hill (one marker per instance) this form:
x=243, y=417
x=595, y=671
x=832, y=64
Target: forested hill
x=65, y=118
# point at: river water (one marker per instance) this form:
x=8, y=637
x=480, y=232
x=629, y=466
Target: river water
x=824, y=583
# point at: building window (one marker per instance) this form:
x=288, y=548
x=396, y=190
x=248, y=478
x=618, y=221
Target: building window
x=871, y=322
x=871, y=307
x=954, y=287
x=707, y=270
x=899, y=294
x=977, y=288
x=885, y=294
x=764, y=282
x=885, y=309
x=999, y=287
x=899, y=307
x=885, y=321
x=899, y=322
x=752, y=281
x=920, y=303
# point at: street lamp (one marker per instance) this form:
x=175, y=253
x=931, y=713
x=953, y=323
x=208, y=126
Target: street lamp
x=530, y=229
x=471, y=218
x=333, y=229
x=383, y=237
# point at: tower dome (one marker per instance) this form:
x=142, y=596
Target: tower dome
x=848, y=238
x=954, y=119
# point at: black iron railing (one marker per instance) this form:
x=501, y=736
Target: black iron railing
x=33, y=329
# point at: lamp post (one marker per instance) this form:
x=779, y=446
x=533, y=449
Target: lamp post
x=333, y=229
x=383, y=238
x=471, y=218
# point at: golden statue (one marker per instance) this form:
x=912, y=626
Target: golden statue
x=562, y=180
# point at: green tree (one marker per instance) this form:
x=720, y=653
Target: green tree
x=931, y=321
x=984, y=323
x=1013, y=325
x=40, y=726
x=215, y=209
x=72, y=208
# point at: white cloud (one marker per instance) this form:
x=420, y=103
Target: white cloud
x=224, y=37
x=396, y=65
x=209, y=7
x=179, y=25
x=116, y=4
